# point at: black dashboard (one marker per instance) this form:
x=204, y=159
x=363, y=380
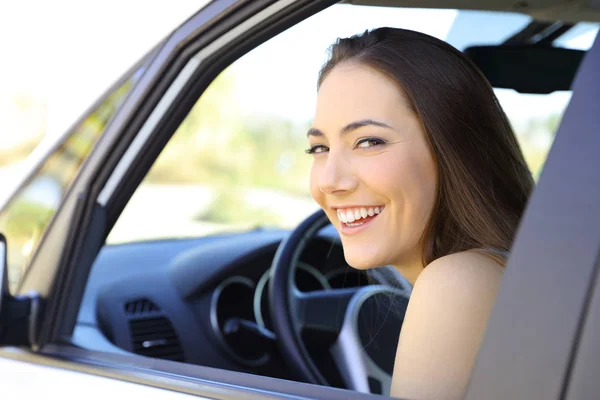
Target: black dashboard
x=203, y=301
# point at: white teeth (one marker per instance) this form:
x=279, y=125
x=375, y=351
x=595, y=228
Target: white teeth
x=363, y=212
x=350, y=216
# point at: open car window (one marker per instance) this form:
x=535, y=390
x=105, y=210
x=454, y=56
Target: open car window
x=237, y=161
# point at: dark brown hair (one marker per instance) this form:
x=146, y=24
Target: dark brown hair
x=483, y=182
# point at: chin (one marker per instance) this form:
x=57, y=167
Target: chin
x=364, y=261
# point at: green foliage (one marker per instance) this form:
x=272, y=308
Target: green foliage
x=535, y=140
x=229, y=207
x=25, y=215
x=218, y=145
x=23, y=227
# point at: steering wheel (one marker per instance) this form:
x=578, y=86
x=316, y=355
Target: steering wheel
x=364, y=322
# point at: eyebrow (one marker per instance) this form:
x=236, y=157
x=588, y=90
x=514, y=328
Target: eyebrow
x=350, y=127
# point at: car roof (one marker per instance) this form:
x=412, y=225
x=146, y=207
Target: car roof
x=542, y=10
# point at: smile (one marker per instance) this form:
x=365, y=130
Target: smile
x=356, y=216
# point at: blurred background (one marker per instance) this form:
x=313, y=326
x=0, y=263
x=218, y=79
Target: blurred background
x=58, y=57
x=237, y=161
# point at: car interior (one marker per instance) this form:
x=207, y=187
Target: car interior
x=205, y=280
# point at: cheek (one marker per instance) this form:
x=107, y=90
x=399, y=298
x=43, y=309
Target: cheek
x=408, y=179
x=314, y=184
x=418, y=185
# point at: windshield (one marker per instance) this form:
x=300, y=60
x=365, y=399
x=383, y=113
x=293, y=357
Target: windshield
x=238, y=162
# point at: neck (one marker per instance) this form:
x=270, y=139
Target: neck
x=411, y=274
x=410, y=269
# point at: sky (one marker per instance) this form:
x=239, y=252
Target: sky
x=64, y=54
x=68, y=52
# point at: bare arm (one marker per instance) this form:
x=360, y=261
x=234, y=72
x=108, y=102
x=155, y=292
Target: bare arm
x=444, y=326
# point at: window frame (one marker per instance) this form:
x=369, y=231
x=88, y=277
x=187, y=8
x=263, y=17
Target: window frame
x=269, y=18
x=58, y=147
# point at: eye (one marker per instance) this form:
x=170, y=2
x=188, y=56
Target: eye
x=369, y=143
x=316, y=149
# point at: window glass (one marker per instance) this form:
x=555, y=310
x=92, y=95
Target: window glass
x=25, y=218
x=237, y=161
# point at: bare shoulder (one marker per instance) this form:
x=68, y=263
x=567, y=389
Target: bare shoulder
x=468, y=270
x=455, y=284
x=444, y=325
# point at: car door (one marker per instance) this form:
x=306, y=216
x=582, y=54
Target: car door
x=560, y=214
x=542, y=338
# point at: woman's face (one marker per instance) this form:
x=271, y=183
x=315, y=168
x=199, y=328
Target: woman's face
x=373, y=172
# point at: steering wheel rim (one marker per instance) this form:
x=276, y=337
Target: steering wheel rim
x=281, y=293
x=330, y=311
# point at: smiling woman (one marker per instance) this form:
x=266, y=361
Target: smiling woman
x=416, y=165
x=367, y=164
x=421, y=159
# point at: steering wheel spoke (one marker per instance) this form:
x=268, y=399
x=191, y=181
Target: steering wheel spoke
x=322, y=310
x=357, y=353
x=358, y=371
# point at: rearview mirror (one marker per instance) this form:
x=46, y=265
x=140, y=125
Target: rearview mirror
x=527, y=68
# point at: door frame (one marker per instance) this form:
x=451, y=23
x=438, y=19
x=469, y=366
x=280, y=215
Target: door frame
x=535, y=327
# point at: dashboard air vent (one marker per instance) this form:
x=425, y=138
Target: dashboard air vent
x=140, y=306
x=155, y=337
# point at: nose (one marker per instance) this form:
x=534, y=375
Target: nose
x=337, y=178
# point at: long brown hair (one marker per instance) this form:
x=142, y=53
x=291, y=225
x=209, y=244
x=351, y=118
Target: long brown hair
x=483, y=182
